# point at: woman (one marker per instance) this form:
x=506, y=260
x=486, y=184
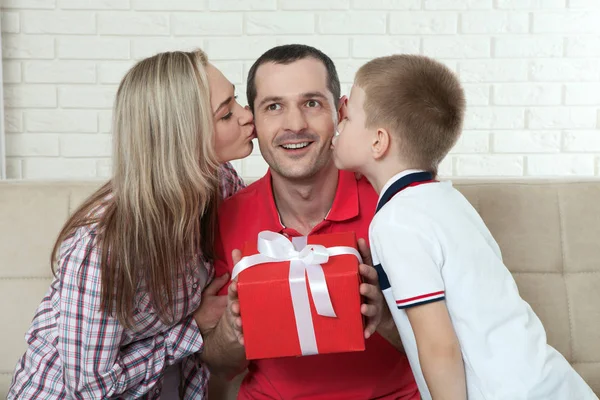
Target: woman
x=131, y=263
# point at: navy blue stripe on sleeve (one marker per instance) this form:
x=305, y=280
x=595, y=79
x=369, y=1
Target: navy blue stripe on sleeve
x=384, y=283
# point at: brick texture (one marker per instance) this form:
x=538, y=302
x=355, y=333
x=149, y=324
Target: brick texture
x=530, y=68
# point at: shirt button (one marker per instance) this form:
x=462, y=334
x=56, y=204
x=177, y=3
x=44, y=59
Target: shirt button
x=195, y=286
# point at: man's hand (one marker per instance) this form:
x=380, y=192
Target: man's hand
x=232, y=315
x=212, y=306
x=384, y=322
x=365, y=252
x=369, y=289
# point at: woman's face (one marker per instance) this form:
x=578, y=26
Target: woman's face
x=234, y=128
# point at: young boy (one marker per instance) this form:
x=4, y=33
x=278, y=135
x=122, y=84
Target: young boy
x=465, y=329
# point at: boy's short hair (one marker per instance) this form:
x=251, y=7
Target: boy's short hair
x=417, y=98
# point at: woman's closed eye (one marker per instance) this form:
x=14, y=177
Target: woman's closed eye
x=229, y=113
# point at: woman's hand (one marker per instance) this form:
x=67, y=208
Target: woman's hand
x=212, y=307
x=224, y=351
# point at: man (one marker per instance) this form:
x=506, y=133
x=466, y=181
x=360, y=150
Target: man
x=294, y=93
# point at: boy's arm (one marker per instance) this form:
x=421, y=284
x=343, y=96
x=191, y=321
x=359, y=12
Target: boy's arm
x=412, y=259
x=439, y=351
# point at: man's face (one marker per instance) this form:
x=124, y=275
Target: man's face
x=295, y=117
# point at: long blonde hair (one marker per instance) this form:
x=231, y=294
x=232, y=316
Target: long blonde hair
x=160, y=204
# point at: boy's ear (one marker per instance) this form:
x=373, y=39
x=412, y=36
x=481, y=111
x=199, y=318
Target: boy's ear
x=342, y=108
x=381, y=143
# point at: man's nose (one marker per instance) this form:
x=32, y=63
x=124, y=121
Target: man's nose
x=295, y=120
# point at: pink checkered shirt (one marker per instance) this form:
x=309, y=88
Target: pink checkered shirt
x=76, y=351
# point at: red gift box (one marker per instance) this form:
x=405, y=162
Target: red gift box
x=273, y=296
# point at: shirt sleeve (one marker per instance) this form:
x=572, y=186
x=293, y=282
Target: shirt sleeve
x=230, y=181
x=95, y=363
x=412, y=262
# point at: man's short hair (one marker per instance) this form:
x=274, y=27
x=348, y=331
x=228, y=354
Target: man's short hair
x=417, y=98
x=288, y=54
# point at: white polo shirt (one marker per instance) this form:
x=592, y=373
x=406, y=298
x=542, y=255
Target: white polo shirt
x=432, y=245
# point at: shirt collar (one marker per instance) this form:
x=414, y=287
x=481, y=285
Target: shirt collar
x=395, y=178
x=345, y=203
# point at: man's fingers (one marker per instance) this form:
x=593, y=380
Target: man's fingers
x=370, y=292
x=370, y=330
x=216, y=285
x=232, y=290
x=368, y=310
x=235, y=308
x=369, y=274
x=364, y=251
x=236, y=256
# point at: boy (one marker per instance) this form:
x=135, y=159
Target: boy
x=465, y=329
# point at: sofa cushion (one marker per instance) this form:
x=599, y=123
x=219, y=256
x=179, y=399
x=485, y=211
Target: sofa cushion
x=19, y=298
x=31, y=216
x=548, y=231
x=549, y=234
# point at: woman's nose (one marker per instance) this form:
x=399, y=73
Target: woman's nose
x=247, y=116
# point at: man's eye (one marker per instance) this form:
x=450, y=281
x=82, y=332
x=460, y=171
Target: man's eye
x=312, y=103
x=227, y=116
x=274, y=107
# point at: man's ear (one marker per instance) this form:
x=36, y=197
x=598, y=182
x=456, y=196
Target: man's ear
x=381, y=143
x=342, y=108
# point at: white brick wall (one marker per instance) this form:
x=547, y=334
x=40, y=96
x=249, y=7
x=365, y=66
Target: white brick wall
x=531, y=70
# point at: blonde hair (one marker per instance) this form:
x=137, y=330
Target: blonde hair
x=160, y=205
x=417, y=98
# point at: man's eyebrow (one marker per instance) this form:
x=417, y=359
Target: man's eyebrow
x=225, y=102
x=270, y=99
x=314, y=94
x=307, y=95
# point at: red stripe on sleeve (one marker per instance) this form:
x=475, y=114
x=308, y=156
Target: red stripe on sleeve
x=419, y=297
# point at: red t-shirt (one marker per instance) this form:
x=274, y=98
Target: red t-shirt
x=379, y=372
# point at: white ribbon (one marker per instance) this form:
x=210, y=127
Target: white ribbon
x=304, y=260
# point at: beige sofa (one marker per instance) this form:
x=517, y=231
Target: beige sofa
x=549, y=232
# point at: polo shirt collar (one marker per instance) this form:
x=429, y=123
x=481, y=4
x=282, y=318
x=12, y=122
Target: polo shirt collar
x=345, y=203
x=397, y=177
x=344, y=207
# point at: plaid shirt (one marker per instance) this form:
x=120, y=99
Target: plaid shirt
x=77, y=351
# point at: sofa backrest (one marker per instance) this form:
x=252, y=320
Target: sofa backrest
x=549, y=233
